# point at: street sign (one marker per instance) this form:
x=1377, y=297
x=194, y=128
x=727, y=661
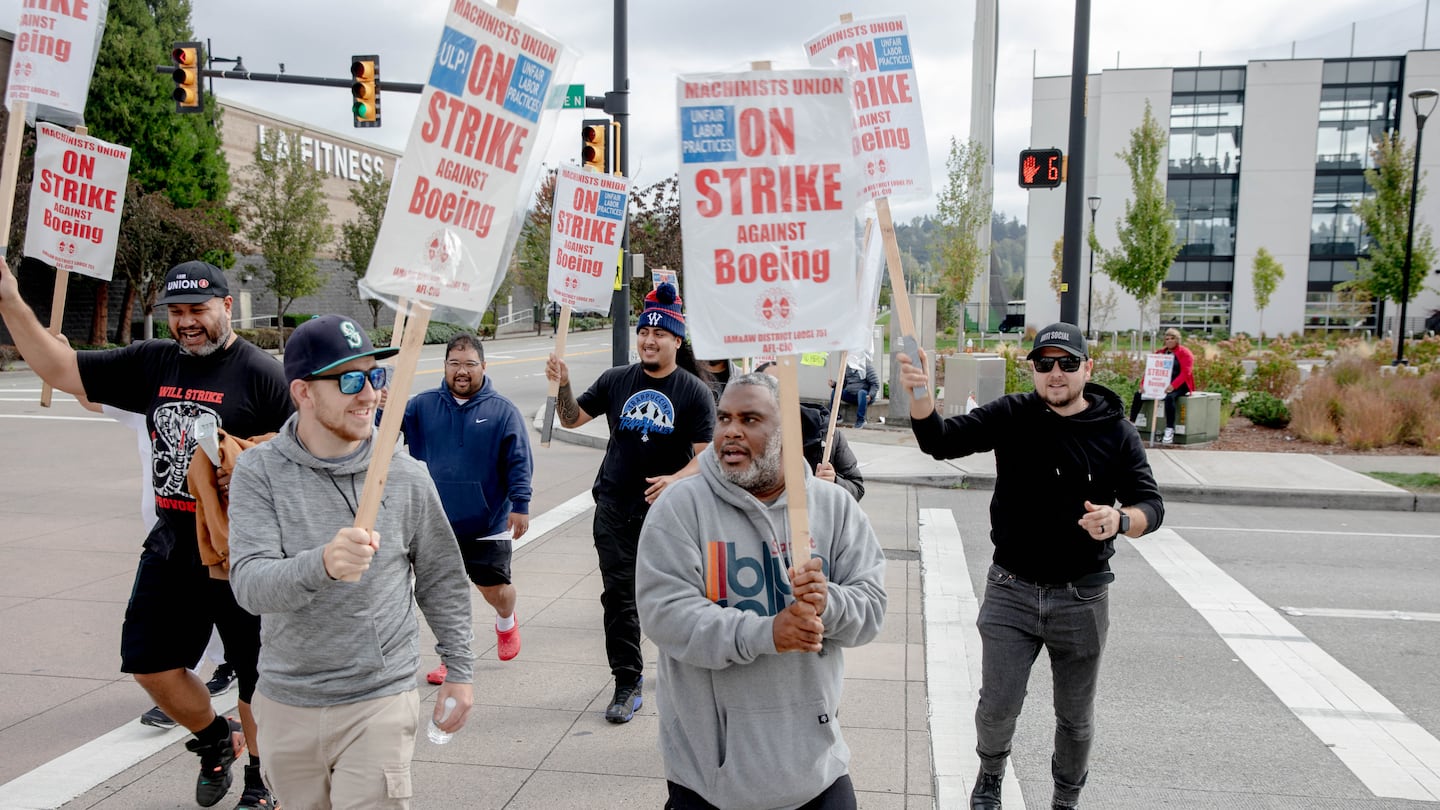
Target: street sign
x=574, y=97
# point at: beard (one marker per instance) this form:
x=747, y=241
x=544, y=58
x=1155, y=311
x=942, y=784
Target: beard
x=211, y=344
x=649, y=366
x=764, y=472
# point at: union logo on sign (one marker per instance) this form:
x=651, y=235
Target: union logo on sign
x=774, y=307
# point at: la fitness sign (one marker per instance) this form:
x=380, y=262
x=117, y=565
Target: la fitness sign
x=344, y=162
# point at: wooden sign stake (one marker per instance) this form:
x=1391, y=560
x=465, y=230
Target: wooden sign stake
x=562, y=329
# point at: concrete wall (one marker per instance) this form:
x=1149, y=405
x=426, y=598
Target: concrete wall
x=1277, y=185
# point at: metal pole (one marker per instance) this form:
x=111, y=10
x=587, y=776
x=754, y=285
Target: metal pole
x=1075, y=170
x=617, y=104
x=1090, y=282
x=1409, y=243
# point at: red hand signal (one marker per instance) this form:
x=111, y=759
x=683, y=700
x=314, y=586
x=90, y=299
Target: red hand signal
x=1030, y=168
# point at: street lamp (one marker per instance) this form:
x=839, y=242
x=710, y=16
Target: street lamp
x=1094, y=203
x=1428, y=98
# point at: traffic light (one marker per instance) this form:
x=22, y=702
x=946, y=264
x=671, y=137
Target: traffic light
x=189, y=96
x=594, y=151
x=1041, y=168
x=365, y=90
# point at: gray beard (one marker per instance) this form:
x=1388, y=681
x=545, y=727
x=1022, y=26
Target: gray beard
x=210, y=347
x=764, y=472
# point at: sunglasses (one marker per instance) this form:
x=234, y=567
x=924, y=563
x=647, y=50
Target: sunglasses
x=352, y=381
x=1069, y=363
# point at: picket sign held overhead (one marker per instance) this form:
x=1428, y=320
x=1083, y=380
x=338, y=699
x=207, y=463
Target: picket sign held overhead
x=887, y=131
x=53, y=58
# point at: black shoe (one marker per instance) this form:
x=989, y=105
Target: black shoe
x=257, y=797
x=627, y=699
x=215, y=761
x=986, y=795
x=222, y=681
x=157, y=718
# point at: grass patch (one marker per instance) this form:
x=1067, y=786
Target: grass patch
x=1415, y=482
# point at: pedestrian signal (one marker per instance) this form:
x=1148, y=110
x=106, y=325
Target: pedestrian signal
x=189, y=97
x=1041, y=168
x=365, y=90
x=594, y=140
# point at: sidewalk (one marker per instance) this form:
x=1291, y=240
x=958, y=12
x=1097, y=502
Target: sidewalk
x=890, y=455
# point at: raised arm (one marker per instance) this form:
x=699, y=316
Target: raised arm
x=54, y=361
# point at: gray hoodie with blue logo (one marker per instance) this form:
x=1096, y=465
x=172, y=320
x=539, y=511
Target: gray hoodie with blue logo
x=741, y=725
x=325, y=642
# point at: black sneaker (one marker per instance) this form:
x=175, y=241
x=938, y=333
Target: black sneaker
x=257, y=797
x=215, y=761
x=157, y=718
x=222, y=681
x=986, y=795
x=627, y=699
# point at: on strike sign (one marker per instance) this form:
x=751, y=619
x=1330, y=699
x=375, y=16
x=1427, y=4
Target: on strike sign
x=889, y=130
x=54, y=53
x=766, y=188
x=452, y=218
x=586, y=226
x=1157, y=375
x=75, y=201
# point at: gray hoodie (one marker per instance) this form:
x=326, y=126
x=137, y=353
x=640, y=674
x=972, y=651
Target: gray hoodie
x=741, y=725
x=326, y=642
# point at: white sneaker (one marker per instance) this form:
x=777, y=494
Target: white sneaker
x=1169, y=437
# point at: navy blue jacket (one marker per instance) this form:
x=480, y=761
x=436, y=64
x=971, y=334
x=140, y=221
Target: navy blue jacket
x=478, y=454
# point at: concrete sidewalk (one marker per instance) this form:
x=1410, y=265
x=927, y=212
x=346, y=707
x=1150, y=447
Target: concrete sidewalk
x=890, y=455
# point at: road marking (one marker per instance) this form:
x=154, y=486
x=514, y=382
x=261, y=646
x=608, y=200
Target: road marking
x=73, y=773
x=1392, y=755
x=952, y=662
x=1314, y=532
x=1342, y=613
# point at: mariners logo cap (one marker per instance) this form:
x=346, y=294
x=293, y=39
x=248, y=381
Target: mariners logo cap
x=327, y=341
x=1062, y=336
x=194, y=283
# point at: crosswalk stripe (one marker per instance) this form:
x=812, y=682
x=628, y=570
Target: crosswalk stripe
x=952, y=662
x=1388, y=752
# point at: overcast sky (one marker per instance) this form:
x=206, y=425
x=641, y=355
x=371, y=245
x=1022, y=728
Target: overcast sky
x=670, y=37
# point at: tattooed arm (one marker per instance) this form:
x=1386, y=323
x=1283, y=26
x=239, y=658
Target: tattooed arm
x=570, y=412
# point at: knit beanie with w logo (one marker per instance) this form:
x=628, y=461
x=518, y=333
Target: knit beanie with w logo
x=662, y=310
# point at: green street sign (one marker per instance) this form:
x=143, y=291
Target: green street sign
x=575, y=97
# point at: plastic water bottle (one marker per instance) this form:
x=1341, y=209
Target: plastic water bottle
x=433, y=731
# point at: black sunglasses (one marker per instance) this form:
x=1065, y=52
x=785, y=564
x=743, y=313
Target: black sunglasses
x=1069, y=363
x=352, y=381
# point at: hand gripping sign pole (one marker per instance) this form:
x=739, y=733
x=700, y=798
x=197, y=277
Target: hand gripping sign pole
x=57, y=306
x=562, y=329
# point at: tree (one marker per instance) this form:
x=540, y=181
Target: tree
x=1057, y=255
x=283, y=208
x=1265, y=276
x=530, y=263
x=1386, y=219
x=1140, y=263
x=357, y=237
x=964, y=209
x=655, y=232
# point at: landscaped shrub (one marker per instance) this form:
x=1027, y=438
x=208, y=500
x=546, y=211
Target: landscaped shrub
x=1123, y=386
x=1264, y=410
x=1314, y=413
x=1218, y=366
x=1018, y=379
x=8, y=356
x=1367, y=419
x=1275, y=375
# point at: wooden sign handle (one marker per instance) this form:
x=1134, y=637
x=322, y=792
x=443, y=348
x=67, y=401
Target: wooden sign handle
x=787, y=368
x=396, y=331
x=562, y=329
x=835, y=408
x=10, y=171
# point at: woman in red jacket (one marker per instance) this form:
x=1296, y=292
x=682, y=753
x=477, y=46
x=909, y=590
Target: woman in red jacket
x=1182, y=382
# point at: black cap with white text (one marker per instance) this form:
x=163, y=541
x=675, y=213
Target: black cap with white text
x=194, y=283
x=1062, y=336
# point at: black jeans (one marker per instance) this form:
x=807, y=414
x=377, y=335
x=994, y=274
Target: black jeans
x=1169, y=405
x=617, y=535
x=839, y=796
x=1016, y=619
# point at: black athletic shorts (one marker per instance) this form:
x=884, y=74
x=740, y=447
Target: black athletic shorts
x=487, y=559
x=173, y=606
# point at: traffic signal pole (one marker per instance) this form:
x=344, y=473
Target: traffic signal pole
x=617, y=105
x=1075, y=171
x=291, y=78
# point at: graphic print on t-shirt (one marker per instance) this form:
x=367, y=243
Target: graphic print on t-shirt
x=647, y=412
x=173, y=443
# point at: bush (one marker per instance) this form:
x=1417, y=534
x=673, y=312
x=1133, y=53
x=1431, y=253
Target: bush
x=294, y=319
x=1265, y=410
x=1123, y=386
x=1217, y=366
x=1275, y=375
x=162, y=329
x=1315, y=412
x=8, y=356
x=1017, y=371
x=1367, y=420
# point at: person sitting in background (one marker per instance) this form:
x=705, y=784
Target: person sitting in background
x=861, y=385
x=1182, y=382
x=843, y=469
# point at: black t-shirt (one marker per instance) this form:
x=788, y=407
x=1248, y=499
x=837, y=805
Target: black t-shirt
x=654, y=425
x=241, y=386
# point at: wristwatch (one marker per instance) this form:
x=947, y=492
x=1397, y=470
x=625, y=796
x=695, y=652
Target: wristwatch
x=1124, y=522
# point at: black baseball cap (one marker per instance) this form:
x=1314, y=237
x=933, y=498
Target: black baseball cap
x=194, y=283
x=1062, y=336
x=327, y=341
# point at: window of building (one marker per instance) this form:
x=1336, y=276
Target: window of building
x=1336, y=311
x=1195, y=311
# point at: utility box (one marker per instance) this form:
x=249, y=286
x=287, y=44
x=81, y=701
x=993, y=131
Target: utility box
x=1197, y=418
x=981, y=375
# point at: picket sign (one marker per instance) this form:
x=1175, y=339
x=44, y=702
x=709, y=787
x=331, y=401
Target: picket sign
x=845, y=355
x=10, y=169
x=57, y=306
x=562, y=330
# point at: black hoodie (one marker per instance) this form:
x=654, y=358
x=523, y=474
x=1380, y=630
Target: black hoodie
x=1047, y=466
